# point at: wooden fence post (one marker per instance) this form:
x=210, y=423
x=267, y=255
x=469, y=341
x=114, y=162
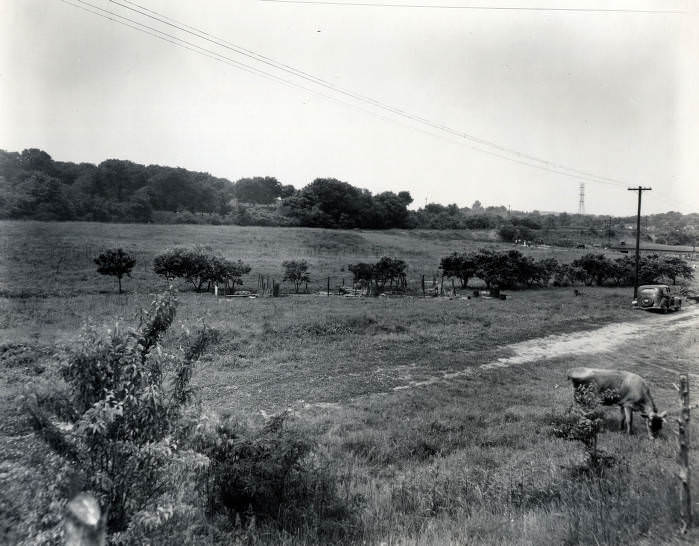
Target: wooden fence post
x=85, y=525
x=423, y=286
x=683, y=421
x=328, y=286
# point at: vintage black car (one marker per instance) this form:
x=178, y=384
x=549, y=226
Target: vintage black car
x=658, y=297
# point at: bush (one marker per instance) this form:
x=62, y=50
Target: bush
x=271, y=477
x=462, y=266
x=596, y=267
x=198, y=266
x=120, y=415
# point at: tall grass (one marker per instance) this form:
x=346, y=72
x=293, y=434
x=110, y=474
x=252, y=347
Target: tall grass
x=471, y=460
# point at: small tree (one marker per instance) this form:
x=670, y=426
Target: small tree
x=390, y=270
x=296, y=272
x=198, y=267
x=674, y=267
x=225, y=273
x=461, y=266
x=115, y=262
x=122, y=417
x=597, y=268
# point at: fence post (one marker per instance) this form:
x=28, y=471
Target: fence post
x=328, y=286
x=683, y=421
x=85, y=525
x=423, y=286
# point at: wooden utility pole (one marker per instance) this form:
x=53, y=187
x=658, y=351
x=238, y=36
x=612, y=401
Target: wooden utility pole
x=683, y=458
x=640, y=190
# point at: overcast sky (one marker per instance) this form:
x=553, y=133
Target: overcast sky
x=613, y=94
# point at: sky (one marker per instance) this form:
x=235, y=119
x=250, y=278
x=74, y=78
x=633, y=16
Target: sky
x=453, y=105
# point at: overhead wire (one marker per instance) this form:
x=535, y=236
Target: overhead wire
x=483, y=7
x=174, y=40
x=242, y=66
x=164, y=19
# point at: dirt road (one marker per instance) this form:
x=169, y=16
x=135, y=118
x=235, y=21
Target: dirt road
x=605, y=339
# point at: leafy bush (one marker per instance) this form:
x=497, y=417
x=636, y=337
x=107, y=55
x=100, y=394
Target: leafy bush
x=387, y=270
x=120, y=418
x=462, y=266
x=270, y=476
x=198, y=266
x=596, y=267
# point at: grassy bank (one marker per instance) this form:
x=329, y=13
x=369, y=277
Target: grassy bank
x=472, y=459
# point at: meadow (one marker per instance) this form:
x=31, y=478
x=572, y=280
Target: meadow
x=476, y=459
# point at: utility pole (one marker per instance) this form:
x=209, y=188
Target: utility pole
x=640, y=190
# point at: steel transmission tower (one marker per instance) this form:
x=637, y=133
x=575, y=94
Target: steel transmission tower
x=581, y=201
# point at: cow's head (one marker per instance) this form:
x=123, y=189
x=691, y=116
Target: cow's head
x=654, y=423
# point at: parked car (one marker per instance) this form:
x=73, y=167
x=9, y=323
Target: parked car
x=656, y=296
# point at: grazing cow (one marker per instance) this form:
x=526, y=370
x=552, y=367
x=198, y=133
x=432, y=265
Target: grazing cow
x=628, y=390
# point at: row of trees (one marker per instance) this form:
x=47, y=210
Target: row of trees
x=202, y=268
x=512, y=269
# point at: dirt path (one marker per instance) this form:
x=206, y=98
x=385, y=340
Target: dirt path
x=600, y=340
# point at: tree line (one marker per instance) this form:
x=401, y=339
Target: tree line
x=34, y=186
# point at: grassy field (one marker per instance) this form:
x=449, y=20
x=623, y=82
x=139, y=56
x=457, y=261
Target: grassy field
x=474, y=458
x=56, y=258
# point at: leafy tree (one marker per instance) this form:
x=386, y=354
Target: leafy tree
x=41, y=197
x=327, y=202
x=390, y=270
x=674, y=267
x=462, y=266
x=597, y=267
x=225, y=273
x=33, y=159
x=498, y=269
x=296, y=271
x=198, y=266
x=263, y=190
x=362, y=273
x=115, y=262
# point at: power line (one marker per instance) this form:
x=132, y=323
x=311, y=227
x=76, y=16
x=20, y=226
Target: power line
x=174, y=40
x=474, y=7
x=201, y=34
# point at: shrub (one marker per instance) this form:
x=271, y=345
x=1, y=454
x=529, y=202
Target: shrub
x=115, y=262
x=596, y=267
x=121, y=415
x=462, y=266
x=390, y=270
x=198, y=266
x=296, y=272
x=270, y=476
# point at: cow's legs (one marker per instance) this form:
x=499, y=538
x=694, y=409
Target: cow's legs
x=622, y=425
x=628, y=415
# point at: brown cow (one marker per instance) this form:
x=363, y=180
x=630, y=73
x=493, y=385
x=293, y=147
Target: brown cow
x=626, y=389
